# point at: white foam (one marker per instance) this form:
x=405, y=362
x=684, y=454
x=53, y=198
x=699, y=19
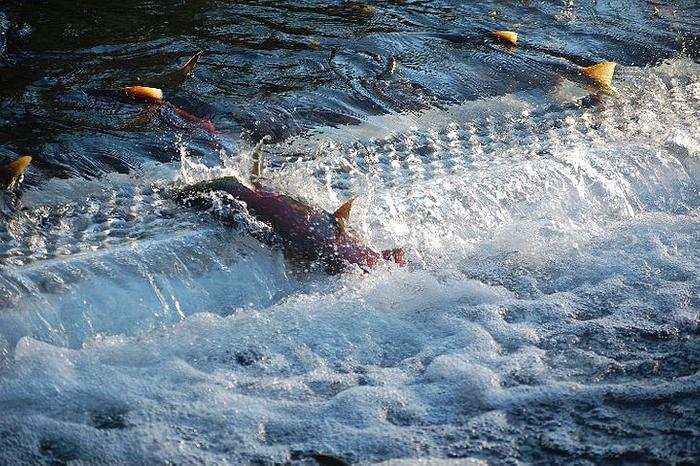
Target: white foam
x=545, y=295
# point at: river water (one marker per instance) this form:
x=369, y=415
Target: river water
x=549, y=311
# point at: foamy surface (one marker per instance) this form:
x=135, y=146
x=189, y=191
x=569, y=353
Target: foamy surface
x=549, y=310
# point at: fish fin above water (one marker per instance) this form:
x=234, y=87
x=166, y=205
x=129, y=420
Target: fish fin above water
x=18, y=166
x=149, y=94
x=507, y=37
x=389, y=69
x=189, y=66
x=257, y=162
x=256, y=173
x=364, y=8
x=601, y=73
x=175, y=78
x=342, y=214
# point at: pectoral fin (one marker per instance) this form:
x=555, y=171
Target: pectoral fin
x=342, y=215
x=602, y=73
x=506, y=37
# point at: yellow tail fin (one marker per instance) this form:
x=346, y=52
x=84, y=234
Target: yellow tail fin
x=602, y=73
x=507, y=37
x=17, y=167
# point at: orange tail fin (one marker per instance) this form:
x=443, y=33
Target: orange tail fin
x=17, y=167
x=602, y=73
x=506, y=37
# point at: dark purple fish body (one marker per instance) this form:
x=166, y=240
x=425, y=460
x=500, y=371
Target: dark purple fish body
x=304, y=231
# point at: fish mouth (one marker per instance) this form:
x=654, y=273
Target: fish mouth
x=17, y=167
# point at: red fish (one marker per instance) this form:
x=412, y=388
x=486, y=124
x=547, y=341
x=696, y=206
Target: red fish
x=154, y=96
x=303, y=231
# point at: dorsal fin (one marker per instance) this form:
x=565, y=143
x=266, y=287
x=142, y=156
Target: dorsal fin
x=256, y=172
x=389, y=69
x=149, y=94
x=507, y=37
x=17, y=167
x=602, y=73
x=189, y=66
x=342, y=215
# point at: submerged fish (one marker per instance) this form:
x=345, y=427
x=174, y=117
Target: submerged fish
x=154, y=97
x=11, y=173
x=598, y=74
x=305, y=232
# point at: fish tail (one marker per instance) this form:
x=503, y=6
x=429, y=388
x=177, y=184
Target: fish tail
x=601, y=73
x=17, y=167
x=506, y=37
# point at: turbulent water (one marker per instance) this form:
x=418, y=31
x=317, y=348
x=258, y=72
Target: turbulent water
x=550, y=308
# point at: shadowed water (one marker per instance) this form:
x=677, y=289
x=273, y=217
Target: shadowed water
x=549, y=311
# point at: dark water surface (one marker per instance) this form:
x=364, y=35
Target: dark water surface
x=549, y=312
x=266, y=67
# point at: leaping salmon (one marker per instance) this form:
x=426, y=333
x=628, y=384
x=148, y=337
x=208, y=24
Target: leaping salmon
x=303, y=231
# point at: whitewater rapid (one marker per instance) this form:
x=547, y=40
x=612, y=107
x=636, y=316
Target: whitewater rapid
x=550, y=303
